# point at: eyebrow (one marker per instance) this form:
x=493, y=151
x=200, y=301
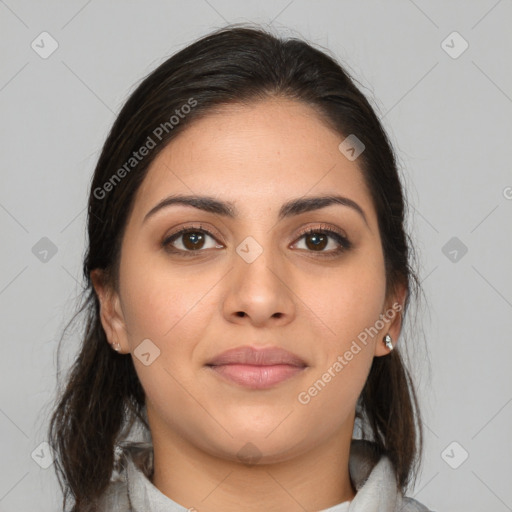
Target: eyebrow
x=228, y=209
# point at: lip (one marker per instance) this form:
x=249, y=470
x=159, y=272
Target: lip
x=257, y=357
x=254, y=368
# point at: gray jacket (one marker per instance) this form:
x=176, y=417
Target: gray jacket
x=131, y=491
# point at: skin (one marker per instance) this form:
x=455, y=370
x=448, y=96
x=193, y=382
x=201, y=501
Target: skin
x=257, y=157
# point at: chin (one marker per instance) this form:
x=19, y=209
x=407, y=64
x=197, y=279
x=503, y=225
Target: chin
x=256, y=448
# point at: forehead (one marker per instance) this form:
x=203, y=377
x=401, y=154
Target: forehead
x=256, y=155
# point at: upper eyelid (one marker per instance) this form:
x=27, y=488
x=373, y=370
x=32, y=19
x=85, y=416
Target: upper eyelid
x=180, y=231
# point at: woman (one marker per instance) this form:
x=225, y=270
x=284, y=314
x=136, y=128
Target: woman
x=247, y=276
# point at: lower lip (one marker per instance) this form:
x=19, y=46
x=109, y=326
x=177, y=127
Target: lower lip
x=257, y=377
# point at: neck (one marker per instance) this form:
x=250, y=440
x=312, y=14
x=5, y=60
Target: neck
x=314, y=480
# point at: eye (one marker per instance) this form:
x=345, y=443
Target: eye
x=320, y=239
x=189, y=240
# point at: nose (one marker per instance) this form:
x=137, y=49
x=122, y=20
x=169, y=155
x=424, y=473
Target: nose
x=259, y=292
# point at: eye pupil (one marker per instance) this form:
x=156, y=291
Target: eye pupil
x=195, y=239
x=319, y=240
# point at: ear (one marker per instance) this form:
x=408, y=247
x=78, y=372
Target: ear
x=391, y=316
x=111, y=314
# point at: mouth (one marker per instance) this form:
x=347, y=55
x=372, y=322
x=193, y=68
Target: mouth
x=257, y=368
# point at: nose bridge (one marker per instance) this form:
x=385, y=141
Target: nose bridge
x=256, y=263
x=258, y=281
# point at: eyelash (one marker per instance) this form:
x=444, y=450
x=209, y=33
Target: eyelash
x=345, y=244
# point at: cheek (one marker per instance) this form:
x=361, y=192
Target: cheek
x=347, y=302
x=166, y=309
x=156, y=297
x=349, y=310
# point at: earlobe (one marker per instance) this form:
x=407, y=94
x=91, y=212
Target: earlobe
x=111, y=314
x=387, y=337
x=392, y=315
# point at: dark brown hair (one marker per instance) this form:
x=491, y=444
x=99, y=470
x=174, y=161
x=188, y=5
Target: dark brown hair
x=102, y=396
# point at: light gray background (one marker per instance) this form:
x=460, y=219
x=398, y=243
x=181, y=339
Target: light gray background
x=450, y=119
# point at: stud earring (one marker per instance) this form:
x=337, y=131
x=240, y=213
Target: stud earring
x=388, y=341
x=116, y=346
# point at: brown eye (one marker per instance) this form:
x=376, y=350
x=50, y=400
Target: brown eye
x=325, y=242
x=189, y=240
x=317, y=241
x=193, y=240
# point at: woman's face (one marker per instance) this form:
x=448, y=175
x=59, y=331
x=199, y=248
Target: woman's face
x=252, y=278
